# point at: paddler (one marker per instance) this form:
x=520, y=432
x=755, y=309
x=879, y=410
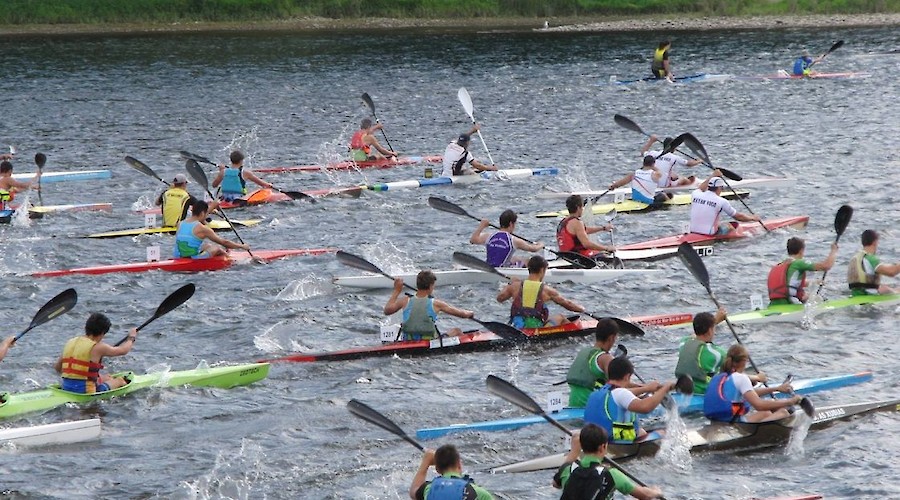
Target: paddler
x=363, y=140
x=866, y=269
x=588, y=371
x=233, y=179
x=192, y=232
x=707, y=204
x=82, y=358
x=176, y=201
x=803, y=64
x=584, y=476
x=457, y=155
x=9, y=186
x=572, y=234
x=501, y=246
x=669, y=163
x=731, y=394
x=643, y=183
x=5, y=345
x=420, y=311
x=450, y=484
x=616, y=405
x=787, y=279
x=530, y=298
x=660, y=67
x=698, y=356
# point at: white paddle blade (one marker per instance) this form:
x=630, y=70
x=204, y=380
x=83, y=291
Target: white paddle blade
x=466, y=102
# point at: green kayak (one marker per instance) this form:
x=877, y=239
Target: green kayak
x=52, y=396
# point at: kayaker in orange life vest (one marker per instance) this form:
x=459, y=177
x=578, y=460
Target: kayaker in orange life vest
x=787, y=279
x=572, y=234
x=529, y=309
x=82, y=358
x=363, y=140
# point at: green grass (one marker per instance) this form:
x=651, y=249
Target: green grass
x=153, y=11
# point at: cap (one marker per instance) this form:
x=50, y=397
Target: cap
x=462, y=139
x=180, y=179
x=804, y=53
x=716, y=182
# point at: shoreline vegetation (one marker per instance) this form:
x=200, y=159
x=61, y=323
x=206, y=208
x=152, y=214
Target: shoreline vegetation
x=148, y=16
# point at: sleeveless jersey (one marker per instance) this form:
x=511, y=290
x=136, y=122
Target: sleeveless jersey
x=643, y=187
x=419, y=319
x=186, y=244
x=566, y=241
x=174, y=206
x=500, y=249
x=861, y=275
x=528, y=309
x=233, y=183
x=359, y=150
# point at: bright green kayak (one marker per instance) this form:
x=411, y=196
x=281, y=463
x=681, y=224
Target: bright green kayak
x=788, y=313
x=52, y=396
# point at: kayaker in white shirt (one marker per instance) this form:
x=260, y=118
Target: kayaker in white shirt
x=457, y=155
x=707, y=204
x=669, y=163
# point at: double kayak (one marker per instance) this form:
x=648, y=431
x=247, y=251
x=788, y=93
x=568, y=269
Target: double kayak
x=471, y=341
x=791, y=313
x=686, y=404
x=502, y=175
x=637, y=206
x=759, y=182
x=742, y=230
x=215, y=225
x=718, y=436
x=52, y=434
x=696, y=77
x=187, y=265
x=74, y=175
x=353, y=165
x=52, y=396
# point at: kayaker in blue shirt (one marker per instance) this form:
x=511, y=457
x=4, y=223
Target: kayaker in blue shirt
x=450, y=484
x=192, y=233
x=803, y=64
x=233, y=179
x=502, y=245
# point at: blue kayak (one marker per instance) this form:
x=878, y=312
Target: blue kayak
x=698, y=77
x=75, y=175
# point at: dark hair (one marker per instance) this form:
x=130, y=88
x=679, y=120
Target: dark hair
x=649, y=160
x=366, y=123
x=592, y=437
x=795, y=245
x=5, y=166
x=869, y=236
x=446, y=457
x=736, y=353
x=199, y=207
x=508, y=218
x=40, y=159
x=703, y=322
x=574, y=202
x=97, y=324
x=605, y=329
x=663, y=44
x=425, y=279
x=618, y=368
x=536, y=263
x=237, y=157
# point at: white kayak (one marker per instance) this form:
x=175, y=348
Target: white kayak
x=75, y=175
x=469, y=276
x=760, y=182
x=50, y=434
x=76, y=207
x=499, y=175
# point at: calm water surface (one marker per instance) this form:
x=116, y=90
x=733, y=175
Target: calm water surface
x=543, y=100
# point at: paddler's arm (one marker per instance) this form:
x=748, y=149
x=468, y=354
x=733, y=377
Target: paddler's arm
x=828, y=263
x=397, y=301
x=477, y=237
x=887, y=269
x=551, y=294
x=481, y=167
x=521, y=244
x=441, y=306
x=421, y=474
x=573, y=455
x=621, y=182
x=250, y=176
x=204, y=232
x=648, y=404
x=104, y=349
x=57, y=366
x=219, y=176
x=761, y=404
x=649, y=144
x=582, y=234
x=508, y=291
x=5, y=345
x=372, y=141
x=705, y=184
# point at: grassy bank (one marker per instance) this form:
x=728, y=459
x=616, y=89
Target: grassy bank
x=18, y=12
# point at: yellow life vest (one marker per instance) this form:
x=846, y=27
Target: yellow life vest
x=76, y=360
x=174, y=201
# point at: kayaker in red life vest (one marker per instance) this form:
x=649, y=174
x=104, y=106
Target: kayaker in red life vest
x=530, y=298
x=572, y=234
x=82, y=358
x=5, y=345
x=363, y=140
x=450, y=483
x=234, y=179
x=866, y=269
x=420, y=310
x=502, y=245
x=787, y=279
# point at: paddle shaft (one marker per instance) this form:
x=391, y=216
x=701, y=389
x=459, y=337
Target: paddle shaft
x=40, y=169
x=733, y=331
x=834, y=47
x=467, y=106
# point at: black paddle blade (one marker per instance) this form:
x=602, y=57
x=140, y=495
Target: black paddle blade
x=174, y=300
x=621, y=351
x=297, y=195
x=473, y=262
x=807, y=406
x=694, y=263
x=673, y=145
x=196, y=172
x=141, y=167
x=513, y=394
x=365, y=412
x=842, y=219
x=627, y=327
x=627, y=123
x=191, y=156
x=368, y=100
x=348, y=259
x=504, y=331
x=40, y=159
x=837, y=45
x=728, y=174
x=694, y=145
x=57, y=306
x=685, y=385
x=446, y=206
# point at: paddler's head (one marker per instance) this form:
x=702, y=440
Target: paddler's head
x=620, y=369
x=795, y=247
x=574, y=203
x=463, y=140
x=870, y=238
x=366, y=124
x=605, y=333
x=447, y=459
x=716, y=184
x=649, y=162
x=237, y=158
x=96, y=325
x=425, y=281
x=736, y=359
x=180, y=181
x=537, y=267
x=200, y=209
x=804, y=53
x=665, y=44
x=6, y=167
x=507, y=219
x=593, y=439
x=704, y=324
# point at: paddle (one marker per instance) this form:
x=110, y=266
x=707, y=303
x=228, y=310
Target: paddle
x=368, y=100
x=473, y=262
x=466, y=102
x=514, y=395
x=143, y=168
x=838, y=44
x=40, y=159
x=502, y=330
x=57, y=306
x=174, y=300
x=449, y=207
x=841, y=221
x=294, y=195
x=617, y=263
x=365, y=412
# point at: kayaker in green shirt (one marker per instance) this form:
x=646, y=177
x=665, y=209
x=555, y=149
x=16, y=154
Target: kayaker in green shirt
x=588, y=371
x=585, y=477
x=866, y=269
x=787, y=279
x=698, y=356
x=450, y=483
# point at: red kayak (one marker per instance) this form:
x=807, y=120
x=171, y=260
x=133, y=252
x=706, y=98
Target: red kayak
x=473, y=341
x=742, y=230
x=186, y=265
x=353, y=165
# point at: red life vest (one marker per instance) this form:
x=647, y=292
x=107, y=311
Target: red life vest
x=356, y=142
x=566, y=241
x=778, y=285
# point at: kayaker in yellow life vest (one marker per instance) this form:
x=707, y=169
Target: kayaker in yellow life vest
x=660, y=66
x=175, y=202
x=233, y=179
x=529, y=309
x=420, y=310
x=192, y=233
x=363, y=140
x=82, y=358
x=9, y=186
x=866, y=269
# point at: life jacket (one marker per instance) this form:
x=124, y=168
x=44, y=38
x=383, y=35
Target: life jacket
x=76, y=360
x=174, y=206
x=461, y=162
x=233, y=183
x=566, y=241
x=451, y=488
x=186, y=243
x=529, y=305
x=689, y=363
x=721, y=401
x=588, y=480
x=580, y=373
x=657, y=66
x=779, y=284
x=500, y=249
x=857, y=277
x=621, y=425
x=359, y=149
x=419, y=319
x=5, y=197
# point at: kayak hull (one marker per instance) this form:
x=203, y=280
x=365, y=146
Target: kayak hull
x=75, y=175
x=816, y=76
x=760, y=182
x=53, y=434
x=216, y=225
x=502, y=175
x=627, y=206
x=792, y=313
x=743, y=230
x=469, y=276
x=78, y=207
x=695, y=78
x=353, y=165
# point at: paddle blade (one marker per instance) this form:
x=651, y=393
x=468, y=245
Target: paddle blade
x=621, y=351
x=365, y=412
x=808, y=407
x=142, y=168
x=685, y=385
x=447, y=206
x=694, y=263
x=296, y=195
x=730, y=175
x=837, y=45
x=611, y=215
x=504, y=331
x=196, y=172
x=627, y=123
x=513, y=394
x=473, y=262
x=368, y=100
x=694, y=145
x=627, y=327
x=40, y=159
x=466, y=102
x=57, y=306
x=174, y=300
x=673, y=145
x=348, y=259
x=842, y=219
x=191, y=156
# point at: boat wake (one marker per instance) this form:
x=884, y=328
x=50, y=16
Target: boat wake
x=305, y=288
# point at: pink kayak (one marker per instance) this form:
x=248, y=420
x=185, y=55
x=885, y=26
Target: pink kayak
x=743, y=230
x=353, y=165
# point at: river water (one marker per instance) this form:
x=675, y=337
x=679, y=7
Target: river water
x=543, y=100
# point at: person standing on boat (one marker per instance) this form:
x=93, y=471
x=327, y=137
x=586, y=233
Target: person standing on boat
x=5, y=345
x=82, y=358
x=192, y=233
x=698, y=356
x=176, y=201
x=669, y=163
x=9, y=186
x=583, y=475
x=866, y=269
x=420, y=311
x=530, y=297
x=707, y=204
x=588, y=371
x=450, y=483
x=501, y=246
x=660, y=66
x=233, y=179
x=572, y=234
x=457, y=155
x=787, y=279
x=803, y=64
x=615, y=406
x=643, y=183
x=731, y=394
x=363, y=141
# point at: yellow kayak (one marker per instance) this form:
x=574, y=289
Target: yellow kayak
x=636, y=206
x=217, y=225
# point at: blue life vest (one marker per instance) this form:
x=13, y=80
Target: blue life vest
x=801, y=65
x=186, y=244
x=233, y=183
x=500, y=249
x=451, y=488
x=621, y=425
x=721, y=401
x=419, y=318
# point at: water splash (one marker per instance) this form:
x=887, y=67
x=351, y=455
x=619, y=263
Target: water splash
x=20, y=217
x=389, y=258
x=675, y=450
x=798, y=435
x=245, y=142
x=142, y=203
x=304, y=288
x=232, y=477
